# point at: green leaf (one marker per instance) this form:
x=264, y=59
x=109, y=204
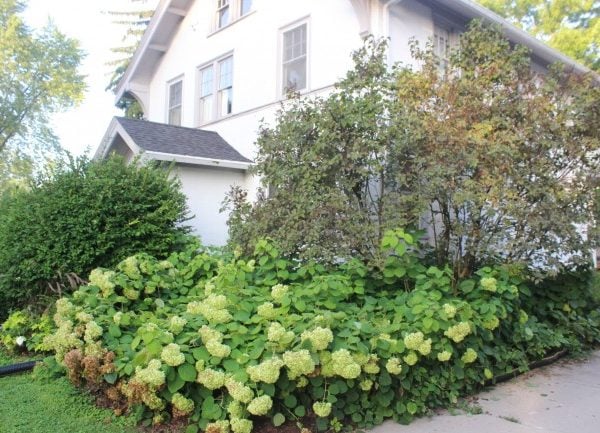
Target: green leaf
x=300, y=411
x=412, y=408
x=278, y=419
x=187, y=372
x=290, y=401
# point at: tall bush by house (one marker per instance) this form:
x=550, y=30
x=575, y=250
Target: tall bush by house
x=89, y=214
x=494, y=157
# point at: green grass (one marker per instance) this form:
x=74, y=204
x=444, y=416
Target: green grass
x=28, y=405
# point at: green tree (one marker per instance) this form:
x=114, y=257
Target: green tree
x=570, y=26
x=492, y=157
x=134, y=20
x=38, y=77
x=85, y=215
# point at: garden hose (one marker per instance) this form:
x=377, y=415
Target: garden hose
x=17, y=368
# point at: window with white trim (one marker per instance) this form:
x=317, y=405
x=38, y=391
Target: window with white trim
x=295, y=59
x=445, y=40
x=245, y=7
x=222, y=13
x=229, y=11
x=175, y=103
x=215, y=90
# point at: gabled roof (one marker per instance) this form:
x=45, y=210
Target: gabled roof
x=173, y=143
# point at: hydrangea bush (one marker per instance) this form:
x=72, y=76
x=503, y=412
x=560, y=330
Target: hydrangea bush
x=222, y=340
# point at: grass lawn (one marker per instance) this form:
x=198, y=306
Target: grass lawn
x=32, y=406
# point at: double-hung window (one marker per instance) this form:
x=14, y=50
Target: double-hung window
x=245, y=7
x=175, y=102
x=444, y=41
x=223, y=13
x=229, y=11
x=295, y=59
x=215, y=90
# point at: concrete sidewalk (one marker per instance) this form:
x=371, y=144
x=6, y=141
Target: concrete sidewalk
x=561, y=398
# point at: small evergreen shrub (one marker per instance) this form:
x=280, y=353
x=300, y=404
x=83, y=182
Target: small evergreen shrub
x=222, y=341
x=89, y=214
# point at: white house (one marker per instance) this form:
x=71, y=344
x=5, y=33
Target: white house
x=208, y=71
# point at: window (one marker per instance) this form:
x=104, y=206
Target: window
x=229, y=11
x=225, y=86
x=445, y=40
x=222, y=13
x=295, y=59
x=245, y=7
x=175, y=96
x=215, y=81
x=206, y=94
x=441, y=47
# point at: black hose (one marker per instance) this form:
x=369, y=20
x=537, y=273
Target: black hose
x=536, y=364
x=17, y=368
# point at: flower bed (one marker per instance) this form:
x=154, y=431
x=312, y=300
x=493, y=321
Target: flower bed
x=221, y=341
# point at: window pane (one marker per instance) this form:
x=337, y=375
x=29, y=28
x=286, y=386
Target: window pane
x=294, y=75
x=206, y=81
x=294, y=43
x=226, y=73
x=206, y=109
x=175, y=94
x=225, y=101
x=175, y=116
x=224, y=16
x=245, y=7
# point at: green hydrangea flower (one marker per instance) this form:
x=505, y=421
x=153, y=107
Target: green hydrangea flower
x=171, y=355
x=344, y=365
x=298, y=363
x=444, y=356
x=260, y=405
x=320, y=338
x=152, y=375
x=411, y=359
x=322, y=409
x=488, y=373
x=235, y=409
x=469, y=356
x=413, y=340
x=458, y=332
x=393, y=366
x=491, y=324
x=92, y=332
x=279, y=291
x=176, y=324
x=217, y=349
x=371, y=366
x=267, y=311
x=366, y=385
x=449, y=310
x=211, y=379
x=267, y=371
x=238, y=391
x=488, y=284
x=182, y=404
x=240, y=425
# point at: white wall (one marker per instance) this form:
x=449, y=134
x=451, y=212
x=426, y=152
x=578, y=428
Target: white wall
x=205, y=188
x=255, y=43
x=409, y=19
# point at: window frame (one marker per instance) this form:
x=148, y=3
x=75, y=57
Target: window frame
x=169, y=108
x=216, y=90
x=281, y=86
x=452, y=32
x=235, y=13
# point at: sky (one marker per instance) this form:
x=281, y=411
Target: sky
x=82, y=127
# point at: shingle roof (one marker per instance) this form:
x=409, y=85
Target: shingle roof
x=178, y=140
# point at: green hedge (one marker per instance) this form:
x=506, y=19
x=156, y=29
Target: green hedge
x=224, y=341
x=88, y=214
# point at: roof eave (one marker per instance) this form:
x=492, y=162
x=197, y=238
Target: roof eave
x=157, y=19
x=197, y=160
x=515, y=34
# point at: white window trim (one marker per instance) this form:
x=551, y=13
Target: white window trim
x=215, y=89
x=235, y=14
x=282, y=30
x=452, y=28
x=168, y=97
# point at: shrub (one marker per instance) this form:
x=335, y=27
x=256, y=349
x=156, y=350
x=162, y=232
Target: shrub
x=89, y=214
x=24, y=330
x=223, y=339
x=463, y=154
